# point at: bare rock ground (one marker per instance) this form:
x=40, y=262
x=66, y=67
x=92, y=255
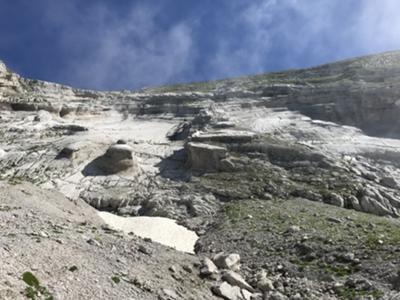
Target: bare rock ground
x=76, y=256
x=293, y=176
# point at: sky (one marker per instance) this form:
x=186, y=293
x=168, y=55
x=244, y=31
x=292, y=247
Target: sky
x=131, y=44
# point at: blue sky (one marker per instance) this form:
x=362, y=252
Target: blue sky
x=128, y=44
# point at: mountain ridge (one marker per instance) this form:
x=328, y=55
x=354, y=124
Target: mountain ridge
x=392, y=53
x=292, y=175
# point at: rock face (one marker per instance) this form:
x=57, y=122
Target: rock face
x=227, y=261
x=205, y=157
x=118, y=158
x=278, y=168
x=180, y=132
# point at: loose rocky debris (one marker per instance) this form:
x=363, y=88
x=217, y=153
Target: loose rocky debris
x=275, y=169
x=74, y=255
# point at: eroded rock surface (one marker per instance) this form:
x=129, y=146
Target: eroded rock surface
x=295, y=171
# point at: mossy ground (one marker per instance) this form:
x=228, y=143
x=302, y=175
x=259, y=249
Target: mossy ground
x=262, y=232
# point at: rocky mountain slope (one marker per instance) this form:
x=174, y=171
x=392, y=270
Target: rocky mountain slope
x=295, y=173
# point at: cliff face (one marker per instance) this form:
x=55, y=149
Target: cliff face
x=226, y=158
x=360, y=92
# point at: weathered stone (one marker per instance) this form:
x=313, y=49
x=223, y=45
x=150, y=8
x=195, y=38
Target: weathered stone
x=228, y=292
x=263, y=282
x=205, y=157
x=226, y=165
x=70, y=150
x=118, y=158
x=227, y=261
x=43, y=116
x=390, y=182
x=293, y=229
x=236, y=279
x=353, y=202
x=334, y=199
x=246, y=295
x=169, y=294
x=208, y=267
x=373, y=202
x=370, y=176
x=179, y=132
x=121, y=142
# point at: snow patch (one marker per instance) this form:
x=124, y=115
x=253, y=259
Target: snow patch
x=162, y=230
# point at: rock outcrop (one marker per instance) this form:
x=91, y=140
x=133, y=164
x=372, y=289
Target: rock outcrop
x=296, y=172
x=205, y=157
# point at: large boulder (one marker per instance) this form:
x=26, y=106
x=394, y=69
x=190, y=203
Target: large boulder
x=118, y=158
x=179, y=132
x=205, y=157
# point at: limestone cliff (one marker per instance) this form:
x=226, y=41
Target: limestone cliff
x=280, y=167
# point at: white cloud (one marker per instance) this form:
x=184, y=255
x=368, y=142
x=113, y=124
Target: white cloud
x=110, y=51
x=299, y=32
x=125, y=52
x=377, y=26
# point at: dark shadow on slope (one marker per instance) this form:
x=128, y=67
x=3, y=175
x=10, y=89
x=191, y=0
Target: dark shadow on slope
x=174, y=167
x=94, y=168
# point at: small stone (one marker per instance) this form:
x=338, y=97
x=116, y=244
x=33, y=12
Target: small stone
x=263, y=282
x=170, y=294
x=230, y=261
x=334, y=220
x=246, y=294
x=257, y=296
x=296, y=297
x=93, y=242
x=236, y=279
x=121, y=142
x=349, y=257
x=228, y=292
x=305, y=238
x=144, y=250
x=187, y=268
x=43, y=234
x=294, y=229
x=335, y=199
x=208, y=267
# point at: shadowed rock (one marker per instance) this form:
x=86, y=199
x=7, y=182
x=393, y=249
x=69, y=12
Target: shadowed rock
x=118, y=158
x=205, y=157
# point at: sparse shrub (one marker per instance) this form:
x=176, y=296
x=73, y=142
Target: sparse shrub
x=34, y=290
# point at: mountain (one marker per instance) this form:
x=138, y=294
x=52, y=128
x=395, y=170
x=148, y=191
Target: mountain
x=293, y=175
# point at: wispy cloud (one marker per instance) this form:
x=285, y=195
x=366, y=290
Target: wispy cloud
x=294, y=33
x=101, y=46
x=377, y=25
x=114, y=52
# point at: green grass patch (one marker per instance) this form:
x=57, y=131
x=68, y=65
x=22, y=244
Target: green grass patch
x=352, y=294
x=35, y=290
